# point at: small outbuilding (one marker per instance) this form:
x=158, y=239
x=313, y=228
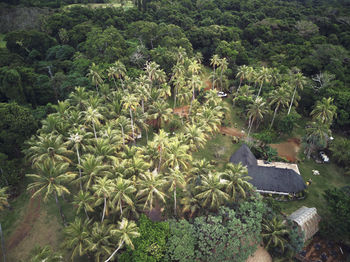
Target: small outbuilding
x=307, y=221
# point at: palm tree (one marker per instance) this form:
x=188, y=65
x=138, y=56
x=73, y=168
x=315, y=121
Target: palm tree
x=195, y=83
x=51, y=178
x=99, y=240
x=299, y=81
x=316, y=136
x=211, y=191
x=154, y=73
x=95, y=75
x=236, y=180
x=150, y=187
x=122, y=193
x=244, y=72
x=126, y=231
x=83, y=200
x=77, y=97
x=92, y=116
x=215, y=61
x=161, y=139
x=264, y=75
x=223, y=68
x=160, y=111
x=48, y=146
x=131, y=102
x=179, y=83
x=274, y=233
x=324, y=110
x=190, y=204
x=256, y=111
x=195, y=136
x=92, y=168
x=76, y=140
x=3, y=198
x=176, y=154
x=142, y=91
x=103, y=188
x=76, y=234
x=199, y=168
x=279, y=98
x=123, y=122
x=175, y=178
x=40, y=254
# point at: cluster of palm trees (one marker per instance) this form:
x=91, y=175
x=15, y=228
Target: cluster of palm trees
x=283, y=94
x=88, y=150
x=219, y=67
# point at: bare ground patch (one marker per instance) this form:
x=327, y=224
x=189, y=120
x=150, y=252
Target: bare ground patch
x=288, y=149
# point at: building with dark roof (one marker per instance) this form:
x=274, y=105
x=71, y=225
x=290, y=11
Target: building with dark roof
x=273, y=178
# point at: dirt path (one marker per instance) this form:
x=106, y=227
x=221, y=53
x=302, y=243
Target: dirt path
x=288, y=149
x=231, y=131
x=22, y=230
x=181, y=111
x=260, y=255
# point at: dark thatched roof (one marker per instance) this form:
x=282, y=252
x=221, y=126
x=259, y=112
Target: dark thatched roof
x=244, y=155
x=268, y=178
x=276, y=179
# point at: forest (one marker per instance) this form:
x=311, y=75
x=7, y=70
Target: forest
x=111, y=126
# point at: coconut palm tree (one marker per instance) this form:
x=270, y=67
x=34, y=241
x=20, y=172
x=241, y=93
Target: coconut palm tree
x=236, y=180
x=175, y=178
x=131, y=102
x=298, y=80
x=215, y=61
x=177, y=154
x=100, y=240
x=123, y=194
x=102, y=147
x=199, y=168
x=123, y=123
x=95, y=75
x=126, y=231
x=161, y=140
x=223, y=68
x=256, y=112
x=83, y=200
x=48, y=146
x=190, y=204
x=264, y=75
x=3, y=198
x=160, y=111
x=76, y=140
x=92, y=167
x=244, y=72
x=150, y=188
x=77, y=97
x=179, y=84
x=317, y=134
x=195, y=136
x=51, y=178
x=324, y=110
x=279, y=98
x=39, y=254
x=103, y=188
x=93, y=117
x=274, y=233
x=76, y=234
x=211, y=191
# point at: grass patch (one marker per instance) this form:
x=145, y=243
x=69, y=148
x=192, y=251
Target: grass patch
x=330, y=176
x=219, y=149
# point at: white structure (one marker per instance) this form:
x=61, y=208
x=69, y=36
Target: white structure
x=307, y=220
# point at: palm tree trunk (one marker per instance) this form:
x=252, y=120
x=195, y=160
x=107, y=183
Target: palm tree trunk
x=87, y=216
x=60, y=209
x=132, y=125
x=81, y=186
x=260, y=89
x=104, y=209
x=121, y=80
x=240, y=83
x=250, y=127
x=291, y=102
x=115, y=251
x=212, y=87
x=93, y=126
x=143, y=105
x=175, y=200
x=274, y=115
x=115, y=83
x=189, y=111
x=121, y=208
x=221, y=79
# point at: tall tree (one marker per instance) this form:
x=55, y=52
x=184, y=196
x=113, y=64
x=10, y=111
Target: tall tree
x=103, y=188
x=131, y=102
x=298, y=80
x=95, y=76
x=324, y=110
x=122, y=194
x=175, y=179
x=256, y=112
x=279, y=98
x=215, y=61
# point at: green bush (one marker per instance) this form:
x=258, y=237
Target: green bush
x=151, y=245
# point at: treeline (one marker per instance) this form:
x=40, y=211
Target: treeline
x=50, y=3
